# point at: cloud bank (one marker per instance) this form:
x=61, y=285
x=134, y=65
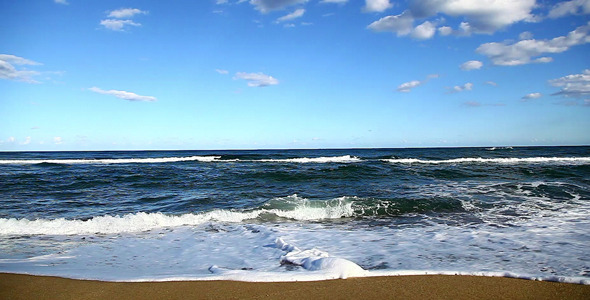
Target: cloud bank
x=575, y=85
x=482, y=16
x=528, y=51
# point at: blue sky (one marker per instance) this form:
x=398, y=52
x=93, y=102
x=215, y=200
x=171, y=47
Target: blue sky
x=214, y=74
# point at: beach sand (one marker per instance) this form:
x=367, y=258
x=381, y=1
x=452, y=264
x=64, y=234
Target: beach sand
x=13, y=286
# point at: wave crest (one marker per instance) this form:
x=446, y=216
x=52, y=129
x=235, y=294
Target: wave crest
x=111, y=160
x=509, y=160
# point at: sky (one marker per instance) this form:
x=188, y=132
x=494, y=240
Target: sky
x=264, y=74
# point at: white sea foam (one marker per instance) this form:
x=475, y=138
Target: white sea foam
x=113, y=161
x=296, y=208
x=510, y=160
x=317, y=260
x=328, y=159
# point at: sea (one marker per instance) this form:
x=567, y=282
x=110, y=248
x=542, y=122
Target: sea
x=297, y=215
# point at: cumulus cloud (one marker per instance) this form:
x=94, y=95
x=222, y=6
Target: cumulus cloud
x=471, y=65
x=525, y=51
x=10, y=72
x=445, y=30
x=123, y=95
x=460, y=88
x=223, y=72
x=377, y=5
x=265, y=6
x=120, y=18
x=483, y=16
x=64, y=2
x=407, y=87
x=492, y=83
x=532, y=96
x=124, y=13
x=57, y=140
x=334, y=1
x=575, y=85
x=401, y=24
x=117, y=25
x=574, y=7
x=424, y=31
x=257, y=79
x=294, y=15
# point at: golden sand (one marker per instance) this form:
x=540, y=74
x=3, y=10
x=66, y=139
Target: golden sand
x=13, y=286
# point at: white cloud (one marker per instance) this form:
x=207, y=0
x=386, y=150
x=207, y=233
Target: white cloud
x=401, y=24
x=257, y=79
x=26, y=141
x=377, y=5
x=575, y=85
x=124, y=13
x=223, y=72
x=407, y=87
x=471, y=65
x=527, y=35
x=445, y=30
x=532, y=96
x=574, y=7
x=64, y=2
x=460, y=88
x=492, y=83
x=424, y=31
x=483, y=16
x=523, y=52
x=10, y=72
x=117, y=25
x=265, y=6
x=294, y=15
x=13, y=59
x=57, y=140
x=123, y=95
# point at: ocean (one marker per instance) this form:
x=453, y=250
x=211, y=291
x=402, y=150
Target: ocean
x=292, y=215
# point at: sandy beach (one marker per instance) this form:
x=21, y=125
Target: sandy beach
x=13, y=286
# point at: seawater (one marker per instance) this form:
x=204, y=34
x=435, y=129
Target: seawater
x=285, y=215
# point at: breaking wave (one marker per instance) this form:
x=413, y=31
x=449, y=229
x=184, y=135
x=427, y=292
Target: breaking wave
x=509, y=160
x=291, y=207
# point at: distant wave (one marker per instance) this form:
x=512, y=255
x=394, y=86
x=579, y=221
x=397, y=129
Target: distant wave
x=112, y=161
x=499, y=148
x=303, y=160
x=509, y=160
x=330, y=159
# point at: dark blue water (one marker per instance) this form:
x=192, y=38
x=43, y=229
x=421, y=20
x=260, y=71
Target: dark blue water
x=350, y=188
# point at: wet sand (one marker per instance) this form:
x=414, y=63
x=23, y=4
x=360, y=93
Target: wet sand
x=13, y=286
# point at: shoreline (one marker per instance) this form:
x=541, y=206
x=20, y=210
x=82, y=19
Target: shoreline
x=19, y=286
